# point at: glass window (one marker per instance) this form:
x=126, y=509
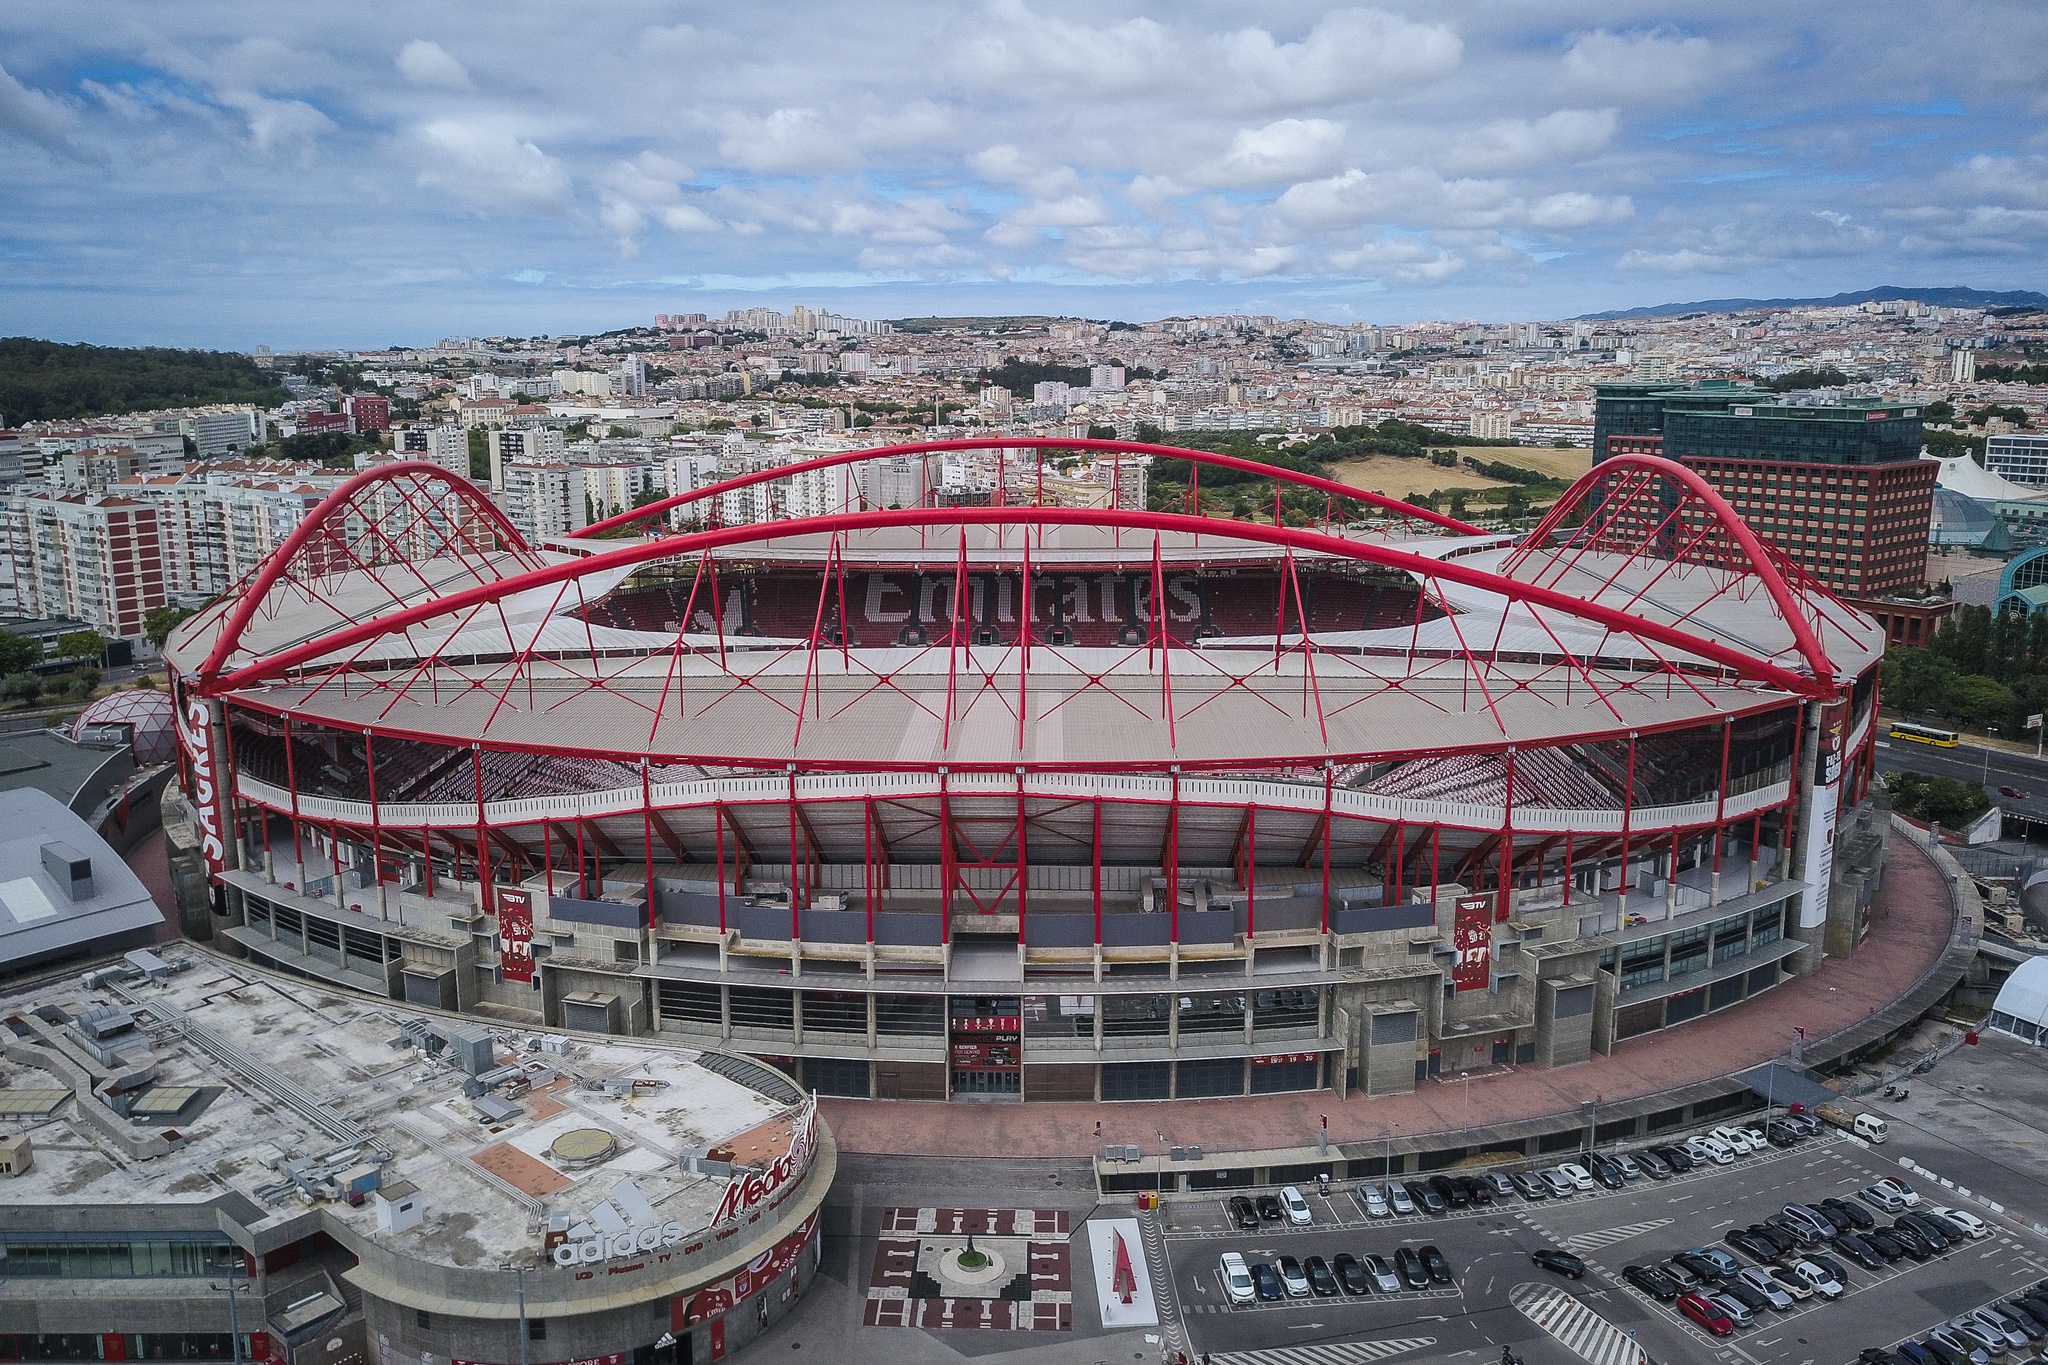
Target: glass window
x=1059, y=1016
x=1134, y=1016
x=1286, y=1009
x=1211, y=1014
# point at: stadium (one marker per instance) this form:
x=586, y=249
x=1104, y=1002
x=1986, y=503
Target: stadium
x=924, y=794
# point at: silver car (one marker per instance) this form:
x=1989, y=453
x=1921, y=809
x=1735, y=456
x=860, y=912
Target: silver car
x=1383, y=1277
x=1373, y=1201
x=1735, y=1309
x=1398, y=1198
x=2011, y=1336
x=1559, y=1183
x=1768, y=1287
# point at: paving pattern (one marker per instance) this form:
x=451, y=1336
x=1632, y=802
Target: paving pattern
x=1038, y=1298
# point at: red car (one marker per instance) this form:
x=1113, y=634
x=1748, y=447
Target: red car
x=1706, y=1315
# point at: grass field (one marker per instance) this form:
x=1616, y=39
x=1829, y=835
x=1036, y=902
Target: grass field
x=1397, y=477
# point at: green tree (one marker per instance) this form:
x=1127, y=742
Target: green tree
x=25, y=687
x=1098, y=432
x=81, y=644
x=1979, y=700
x=18, y=653
x=1150, y=434
x=1940, y=410
x=479, y=455
x=157, y=624
x=1457, y=502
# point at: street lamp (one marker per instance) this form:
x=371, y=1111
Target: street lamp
x=234, y=1316
x=1990, y=731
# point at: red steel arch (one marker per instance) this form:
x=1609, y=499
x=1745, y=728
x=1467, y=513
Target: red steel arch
x=334, y=507
x=837, y=458
x=1742, y=663
x=1763, y=561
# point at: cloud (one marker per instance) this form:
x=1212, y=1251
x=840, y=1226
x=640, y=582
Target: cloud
x=36, y=118
x=1756, y=236
x=427, y=64
x=1556, y=212
x=1352, y=54
x=277, y=123
x=489, y=167
x=1569, y=135
x=1280, y=153
x=1654, y=66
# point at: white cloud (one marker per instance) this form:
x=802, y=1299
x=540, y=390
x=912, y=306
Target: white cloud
x=35, y=117
x=276, y=123
x=1280, y=153
x=429, y=65
x=490, y=166
x=1569, y=135
x=1643, y=66
x=1352, y=54
x=1573, y=209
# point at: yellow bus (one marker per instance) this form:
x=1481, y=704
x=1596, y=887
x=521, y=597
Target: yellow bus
x=1923, y=734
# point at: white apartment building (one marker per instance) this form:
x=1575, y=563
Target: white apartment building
x=617, y=485
x=1491, y=424
x=1105, y=378
x=446, y=446
x=217, y=523
x=219, y=431
x=2021, y=456
x=534, y=445
x=591, y=383
x=544, y=500
x=97, y=558
x=686, y=473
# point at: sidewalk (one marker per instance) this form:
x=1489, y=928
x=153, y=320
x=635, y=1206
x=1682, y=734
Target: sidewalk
x=1909, y=930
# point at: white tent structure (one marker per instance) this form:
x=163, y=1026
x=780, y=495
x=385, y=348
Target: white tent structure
x=2022, y=1005
x=1964, y=475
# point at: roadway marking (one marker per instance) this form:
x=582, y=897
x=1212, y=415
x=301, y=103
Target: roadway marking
x=1593, y=1241
x=1343, y=1353
x=1576, y=1327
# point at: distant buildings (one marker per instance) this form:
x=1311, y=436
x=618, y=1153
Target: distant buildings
x=97, y=558
x=2021, y=456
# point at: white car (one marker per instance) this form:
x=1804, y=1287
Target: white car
x=1297, y=1208
x=1907, y=1195
x=1237, y=1278
x=1734, y=1139
x=1968, y=1222
x=1374, y=1201
x=1817, y=1279
x=1291, y=1277
x=1757, y=1141
x=1704, y=1150
x=1581, y=1178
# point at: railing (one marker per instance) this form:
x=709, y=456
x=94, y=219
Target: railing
x=1266, y=793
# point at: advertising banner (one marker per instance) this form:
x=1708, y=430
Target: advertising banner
x=748, y=1191
x=716, y=1300
x=203, y=776
x=515, y=934
x=1819, y=870
x=1472, y=937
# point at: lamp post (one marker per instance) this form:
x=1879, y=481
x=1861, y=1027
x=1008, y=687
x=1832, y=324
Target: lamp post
x=519, y=1283
x=1990, y=732
x=234, y=1314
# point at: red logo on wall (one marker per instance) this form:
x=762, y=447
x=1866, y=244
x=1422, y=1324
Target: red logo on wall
x=1472, y=937
x=515, y=934
x=719, y=1299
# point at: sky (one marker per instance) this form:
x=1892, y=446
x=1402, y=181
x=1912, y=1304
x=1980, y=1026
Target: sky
x=231, y=173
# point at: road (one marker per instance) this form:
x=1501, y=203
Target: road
x=1975, y=763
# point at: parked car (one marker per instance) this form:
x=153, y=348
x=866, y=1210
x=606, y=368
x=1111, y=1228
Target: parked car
x=1952, y=1232
x=1930, y=1233
x=1813, y=1220
x=1382, y=1275
x=1414, y=1274
x=1853, y=1245
x=1292, y=1277
x=1833, y=1268
x=1751, y=1245
x=1530, y=1185
x=1606, y=1170
x=2030, y=1326
x=1858, y=1216
x=1780, y=1239
x=2012, y=793
x=1944, y=1347
x=1654, y=1166
x=1426, y=1199
x=1434, y=1261
x=1242, y=1213
x=1237, y=1278
x=1908, y=1236
x=1735, y=1139
x=1499, y=1183
x=1782, y=1134
x=1452, y=1192
x=1806, y=1123
x=1882, y=1241
x=1738, y=1312
x=1581, y=1178
x=1562, y=1262
x=1800, y=1233
x=1560, y=1184
x=1477, y=1190
x=1799, y=1289
x=1397, y=1198
x=1706, y=1313
x=1677, y=1158
x=1373, y=1200
x=1688, y=1278
x=1881, y=1197
x=1265, y=1283
x=1973, y=1227
x=1322, y=1281
x=1720, y=1259
x=1906, y=1193
x=1652, y=1281
x=1995, y=1324
x=1296, y=1207
x=1631, y=1169
x=1974, y=1335
x=1350, y=1274
x=1749, y=1296
x=1269, y=1208
x=1709, y=1271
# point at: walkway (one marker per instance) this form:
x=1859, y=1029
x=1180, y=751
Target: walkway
x=1910, y=926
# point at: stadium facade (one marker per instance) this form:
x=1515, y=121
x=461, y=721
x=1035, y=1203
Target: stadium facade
x=1014, y=801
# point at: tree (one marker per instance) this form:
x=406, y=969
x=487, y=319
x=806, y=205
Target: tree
x=157, y=624
x=479, y=455
x=81, y=644
x=1150, y=434
x=1097, y=432
x=1940, y=410
x=18, y=653
x=25, y=687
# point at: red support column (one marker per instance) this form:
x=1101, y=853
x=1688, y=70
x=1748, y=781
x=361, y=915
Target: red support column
x=1628, y=804
x=1436, y=863
x=945, y=864
x=1721, y=806
x=1172, y=869
x=647, y=834
x=547, y=854
x=1251, y=872
x=795, y=896
x=583, y=865
x=426, y=855
x=1095, y=870
x=1023, y=862
x=1400, y=889
x=1567, y=869
x=1507, y=845
x=867, y=861
x=718, y=846
x=1329, y=819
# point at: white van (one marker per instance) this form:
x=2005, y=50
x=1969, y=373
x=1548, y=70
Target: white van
x=1871, y=1128
x=1237, y=1278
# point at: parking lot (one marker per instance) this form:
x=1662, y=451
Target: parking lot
x=1488, y=1248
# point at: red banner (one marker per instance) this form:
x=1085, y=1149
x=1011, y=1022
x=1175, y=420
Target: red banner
x=719, y=1299
x=515, y=934
x=1472, y=936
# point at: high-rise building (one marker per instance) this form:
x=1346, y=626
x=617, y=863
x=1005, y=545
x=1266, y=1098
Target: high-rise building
x=1962, y=367
x=96, y=558
x=544, y=500
x=367, y=412
x=2021, y=456
x=633, y=373
x=1105, y=378
x=534, y=445
x=444, y=445
x=219, y=432
x=1840, y=488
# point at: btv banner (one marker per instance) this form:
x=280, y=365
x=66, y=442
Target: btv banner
x=1472, y=937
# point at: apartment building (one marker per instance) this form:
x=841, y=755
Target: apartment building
x=543, y=500
x=509, y=445
x=444, y=445
x=96, y=558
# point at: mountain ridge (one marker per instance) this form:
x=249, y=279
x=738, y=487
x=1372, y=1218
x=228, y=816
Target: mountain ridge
x=1946, y=296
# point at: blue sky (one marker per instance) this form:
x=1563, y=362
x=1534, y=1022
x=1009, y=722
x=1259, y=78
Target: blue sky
x=228, y=173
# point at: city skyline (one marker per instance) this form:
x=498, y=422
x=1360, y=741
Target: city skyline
x=203, y=176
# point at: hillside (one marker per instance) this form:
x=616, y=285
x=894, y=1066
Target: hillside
x=48, y=381
x=1952, y=296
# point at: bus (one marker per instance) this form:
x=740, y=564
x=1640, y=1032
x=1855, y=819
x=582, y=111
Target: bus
x=1923, y=734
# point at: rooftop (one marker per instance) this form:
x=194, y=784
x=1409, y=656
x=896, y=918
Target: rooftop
x=42, y=915
x=205, y=1079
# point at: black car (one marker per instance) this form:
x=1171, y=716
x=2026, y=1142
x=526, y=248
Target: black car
x=1563, y=1262
x=1708, y=1272
x=1754, y=1300
x=1944, y=1353
x=1652, y=1281
x=1654, y=1166
x=1266, y=1283
x=1930, y=1232
x=1450, y=1191
x=1351, y=1274
x=2034, y=1310
x=1426, y=1199
x=1269, y=1208
x=1884, y=1243
x=1676, y=1158
x=1751, y=1245
x=1876, y=1355
x=1951, y=1231
x=1858, y=1216
x=1477, y=1190
x=1607, y=1171
x=1782, y=1134
x=1433, y=1261
x=1908, y=1236
x=1242, y=1213
x=1321, y=1282
x=1852, y=1245
x=1410, y=1268
x=1780, y=1240
x=1801, y=1236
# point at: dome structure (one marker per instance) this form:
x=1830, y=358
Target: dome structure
x=142, y=717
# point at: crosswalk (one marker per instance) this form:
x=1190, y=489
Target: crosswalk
x=1337, y=1353
x=1583, y=1242
x=1576, y=1327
